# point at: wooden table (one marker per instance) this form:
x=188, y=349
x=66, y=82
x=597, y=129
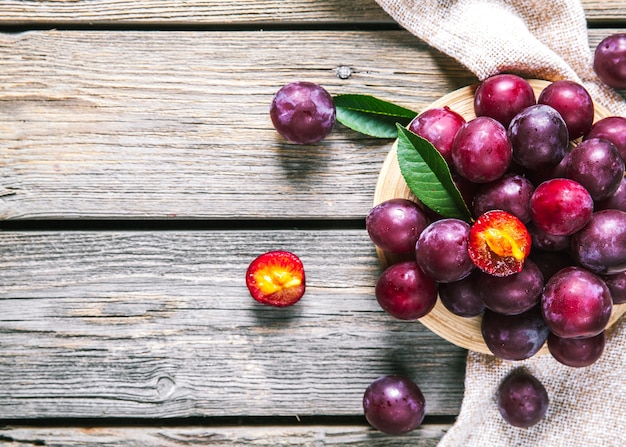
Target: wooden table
x=140, y=175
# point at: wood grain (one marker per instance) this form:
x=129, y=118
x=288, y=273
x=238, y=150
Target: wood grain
x=216, y=12
x=160, y=324
x=428, y=435
x=164, y=125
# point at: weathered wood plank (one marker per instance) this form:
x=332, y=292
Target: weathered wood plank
x=161, y=125
x=215, y=12
x=143, y=324
x=428, y=435
x=176, y=125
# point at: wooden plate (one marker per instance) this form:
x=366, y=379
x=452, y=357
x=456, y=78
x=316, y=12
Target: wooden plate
x=463, y=332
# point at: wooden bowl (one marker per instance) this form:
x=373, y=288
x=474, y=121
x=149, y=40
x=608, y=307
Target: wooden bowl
x=463, y=332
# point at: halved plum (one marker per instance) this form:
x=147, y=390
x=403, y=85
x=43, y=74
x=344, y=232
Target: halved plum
x=276, y=278
x=499, y=243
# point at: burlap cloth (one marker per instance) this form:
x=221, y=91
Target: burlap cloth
x=544, y=39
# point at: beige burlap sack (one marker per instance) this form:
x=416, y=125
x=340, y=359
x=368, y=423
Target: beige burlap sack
x=547, y=40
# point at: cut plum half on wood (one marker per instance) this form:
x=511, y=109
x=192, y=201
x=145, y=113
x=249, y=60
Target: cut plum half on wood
x=276, y=278
x=499, y=243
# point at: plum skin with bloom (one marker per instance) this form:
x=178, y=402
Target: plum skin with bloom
x=394, y=404
x=613, y=129
x=512, y=294
x=575, y=303
x=609, y=60
x=561, y=206
x=395, y=225
x=502, y=96
x=577, y=352
x=522, y=399
x=303, y=112
x=597, y=165
x=601, y=245
x=573, y=103
x=441, y=250
x=404, y=291
x=481, y=151
x=439, y=126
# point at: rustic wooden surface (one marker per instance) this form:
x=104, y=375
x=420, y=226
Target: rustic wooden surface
x=140, y=175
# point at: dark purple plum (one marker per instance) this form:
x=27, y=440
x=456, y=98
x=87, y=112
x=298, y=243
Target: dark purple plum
x=616, y=201
x=612, y=128
x=577, y=352
x=561, y=206
x=596, y=164
x=439, y=126
x=617, y=286
x=601, y=245
x=539, y=137
x=303, y=112
x=481, y=151
x=503, y=96
x=609, y=60
x=547, y=242
x=510, y=193
x=576, y=303
x=404, y=291
x=394, y=404
x=441, y=250
x=461, y=297
x=395, y=225
x=550, y=262
x=514, y=337
x=574, y=104
x=513, y=294
x=522, y=399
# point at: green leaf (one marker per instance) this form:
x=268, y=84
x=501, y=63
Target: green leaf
x=428, y=176
x=371, y=116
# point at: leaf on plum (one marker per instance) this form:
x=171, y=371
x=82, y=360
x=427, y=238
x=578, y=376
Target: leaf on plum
x=428, y=176
x=371, y=116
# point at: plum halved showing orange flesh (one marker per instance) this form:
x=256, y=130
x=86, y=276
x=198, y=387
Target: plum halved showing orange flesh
x=499, y=243
x=276, y=278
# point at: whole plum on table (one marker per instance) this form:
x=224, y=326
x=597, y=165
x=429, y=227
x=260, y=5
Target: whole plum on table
x=609, y=60
x=394, y=404
x=303, y=112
